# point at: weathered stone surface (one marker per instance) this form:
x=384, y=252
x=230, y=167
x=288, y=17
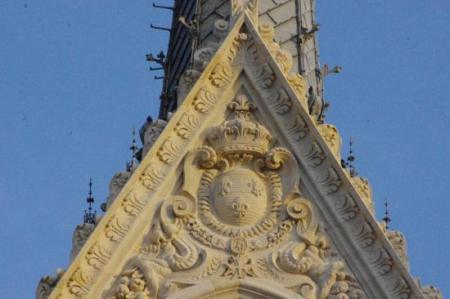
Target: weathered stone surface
x=241, y=193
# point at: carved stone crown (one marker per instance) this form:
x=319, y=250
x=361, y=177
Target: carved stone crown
x=240, y=133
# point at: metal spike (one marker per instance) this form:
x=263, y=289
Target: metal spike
x=162, y=6
x=386, y=217
x=160, y=28
x=131, y=165
x=90, y=213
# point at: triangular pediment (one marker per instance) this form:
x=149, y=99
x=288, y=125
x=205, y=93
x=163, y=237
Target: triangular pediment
x=242, y=185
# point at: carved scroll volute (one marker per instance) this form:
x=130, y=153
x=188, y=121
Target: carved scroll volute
x=300, y=209
x=282, y=161
x=200, y=158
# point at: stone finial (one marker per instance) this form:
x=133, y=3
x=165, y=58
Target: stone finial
x=246, y=6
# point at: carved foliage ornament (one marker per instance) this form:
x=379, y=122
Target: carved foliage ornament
x=239, y=214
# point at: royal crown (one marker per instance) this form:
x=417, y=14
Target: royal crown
x=240, y=133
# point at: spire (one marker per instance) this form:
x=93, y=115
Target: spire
x=131, y=165
x=90, y=213
x=386, y=217
x=348, y=163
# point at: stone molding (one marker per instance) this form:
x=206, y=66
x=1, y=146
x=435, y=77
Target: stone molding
x=280, y=96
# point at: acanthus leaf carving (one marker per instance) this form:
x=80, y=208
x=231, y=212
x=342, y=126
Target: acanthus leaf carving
x=297, y=129
x=169, y=151
x=151, y=177
x=401, y=289
x=315, y=154
x=265, y=76
x=298, y=84
x=79, y=283
x=331, y=136
x=132, y=205
x=221, y=75
x=365, y=235
x=115, y=230
x=97, y=256
x=281, y=101
x=204, y=101
x=347, y=207
x=383, y=262
x=245, y=205
x=186, y=125
x=331, y=181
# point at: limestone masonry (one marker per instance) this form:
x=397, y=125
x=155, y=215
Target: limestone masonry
x=240, y=191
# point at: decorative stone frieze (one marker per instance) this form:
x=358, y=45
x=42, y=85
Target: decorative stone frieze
x=233, y=190
x=79, y=238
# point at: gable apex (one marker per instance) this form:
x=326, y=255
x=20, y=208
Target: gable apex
x=280, y=97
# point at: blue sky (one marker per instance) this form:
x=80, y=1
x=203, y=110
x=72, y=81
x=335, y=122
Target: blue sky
x=74, y=82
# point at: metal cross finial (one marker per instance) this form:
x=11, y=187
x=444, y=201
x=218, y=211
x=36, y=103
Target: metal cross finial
x=131, y=165
x=386, y=217
x=90, y=213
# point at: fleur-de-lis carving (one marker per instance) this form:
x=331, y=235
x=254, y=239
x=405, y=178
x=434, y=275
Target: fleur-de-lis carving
x=240, y=207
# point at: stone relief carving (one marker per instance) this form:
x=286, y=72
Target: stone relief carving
x=239, y=214
x=47, y=284
x=430, y=292
x=398, y=241
x=362, y=186
x=201, y=59
x=151, y=133
x=116, y=184
x=80, y=236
